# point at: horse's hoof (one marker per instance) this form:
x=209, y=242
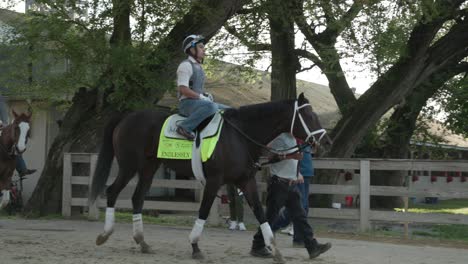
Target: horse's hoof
x=102, y=238
x=198, y=255
x=277, y=257
x=145, y=248
x=279, y=260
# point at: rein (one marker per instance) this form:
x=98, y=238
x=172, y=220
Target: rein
x=269, y=149
x=297, y=147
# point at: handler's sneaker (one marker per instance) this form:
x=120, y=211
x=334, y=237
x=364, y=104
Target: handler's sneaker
x=318, y=250
x=288, y=230
x=261, y=252
x=241, y=226
x=232, y=225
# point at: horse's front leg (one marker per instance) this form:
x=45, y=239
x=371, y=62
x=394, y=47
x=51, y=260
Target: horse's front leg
x=209, y=194
x=138, y=198
x=251, y=194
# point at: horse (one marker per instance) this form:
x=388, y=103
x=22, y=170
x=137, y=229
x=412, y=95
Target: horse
x=133, y=140
x=13, y=140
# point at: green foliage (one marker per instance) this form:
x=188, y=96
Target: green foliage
x=247, y=33
x=454, y=104
x=54, y=53
x=372, y=144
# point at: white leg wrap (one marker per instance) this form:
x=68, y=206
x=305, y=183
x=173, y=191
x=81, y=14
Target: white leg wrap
x=196, y=231
x=267, y=233
x=137, y=224
x=110, y=220
x=5, y=198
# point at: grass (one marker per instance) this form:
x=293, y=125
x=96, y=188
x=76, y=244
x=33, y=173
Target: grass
x=167, y=220
x=120, y=217
x=443, y=232
x=453, y=206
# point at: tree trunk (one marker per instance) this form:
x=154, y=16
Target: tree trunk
x=284, y=61
x=324, y=44
x=121, y=13
x=79, y=132
x=400, y=129
x=411, y=71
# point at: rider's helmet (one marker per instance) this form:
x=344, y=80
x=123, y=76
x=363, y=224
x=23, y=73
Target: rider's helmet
x=191, y=41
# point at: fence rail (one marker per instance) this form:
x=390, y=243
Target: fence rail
x=93, y=212
x=364, y=214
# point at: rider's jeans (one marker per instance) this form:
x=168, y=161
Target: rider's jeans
x=196, y=111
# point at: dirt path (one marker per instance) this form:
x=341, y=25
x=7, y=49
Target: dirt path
x=69, y=242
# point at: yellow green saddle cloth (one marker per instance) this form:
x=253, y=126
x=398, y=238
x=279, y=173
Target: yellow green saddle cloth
x=177, y=148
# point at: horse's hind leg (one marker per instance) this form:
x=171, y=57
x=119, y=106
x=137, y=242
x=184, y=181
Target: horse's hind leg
x=138, y=198
x=112, y=192
x=209, y=194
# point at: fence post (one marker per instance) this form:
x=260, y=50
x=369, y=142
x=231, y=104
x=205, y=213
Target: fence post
x=364, y=195
x=93, y=209
x=66, y=185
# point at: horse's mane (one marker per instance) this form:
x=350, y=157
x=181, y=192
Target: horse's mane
x=257, y=111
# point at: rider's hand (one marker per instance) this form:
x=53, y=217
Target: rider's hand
x=210, y=96
x=203, y=97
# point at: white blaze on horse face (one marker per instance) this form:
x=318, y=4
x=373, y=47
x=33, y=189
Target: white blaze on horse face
x=5, y=198
x=197, y=231
x=24, y=128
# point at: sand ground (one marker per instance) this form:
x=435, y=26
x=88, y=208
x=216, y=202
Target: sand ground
x=70, y=241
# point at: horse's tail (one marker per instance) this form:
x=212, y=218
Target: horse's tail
x=104, y=163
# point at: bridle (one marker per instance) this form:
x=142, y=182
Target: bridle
x=299, y=147
x=304, y=126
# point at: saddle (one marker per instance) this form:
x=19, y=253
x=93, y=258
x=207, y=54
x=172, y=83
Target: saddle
x=174, y=146
x=210, y=130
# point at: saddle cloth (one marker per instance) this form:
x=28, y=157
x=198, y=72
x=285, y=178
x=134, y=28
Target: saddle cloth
x=174, y=146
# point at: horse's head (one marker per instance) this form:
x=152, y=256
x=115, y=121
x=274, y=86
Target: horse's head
x=21, y=126
x=13, y=140
x=306, y=124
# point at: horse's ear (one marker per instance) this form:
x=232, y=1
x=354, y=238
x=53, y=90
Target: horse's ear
x=28, y=116
x=301, y=99
x=15, y=115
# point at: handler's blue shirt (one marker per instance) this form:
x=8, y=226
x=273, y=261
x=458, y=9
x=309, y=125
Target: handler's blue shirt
x=306, y=165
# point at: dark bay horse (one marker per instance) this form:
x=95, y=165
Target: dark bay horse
x=134, y=140
x=13, y=140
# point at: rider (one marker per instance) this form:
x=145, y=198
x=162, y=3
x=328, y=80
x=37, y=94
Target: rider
x=20, y=164
x=194, y=103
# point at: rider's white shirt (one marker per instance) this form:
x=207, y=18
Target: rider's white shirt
x=184, y=72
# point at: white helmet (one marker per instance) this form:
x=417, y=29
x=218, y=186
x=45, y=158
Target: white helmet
x=191, y=41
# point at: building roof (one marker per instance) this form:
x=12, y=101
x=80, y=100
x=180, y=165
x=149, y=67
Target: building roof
x=8, y=16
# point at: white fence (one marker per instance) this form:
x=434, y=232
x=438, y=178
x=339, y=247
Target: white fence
x=85, y=180
x=364, y=214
